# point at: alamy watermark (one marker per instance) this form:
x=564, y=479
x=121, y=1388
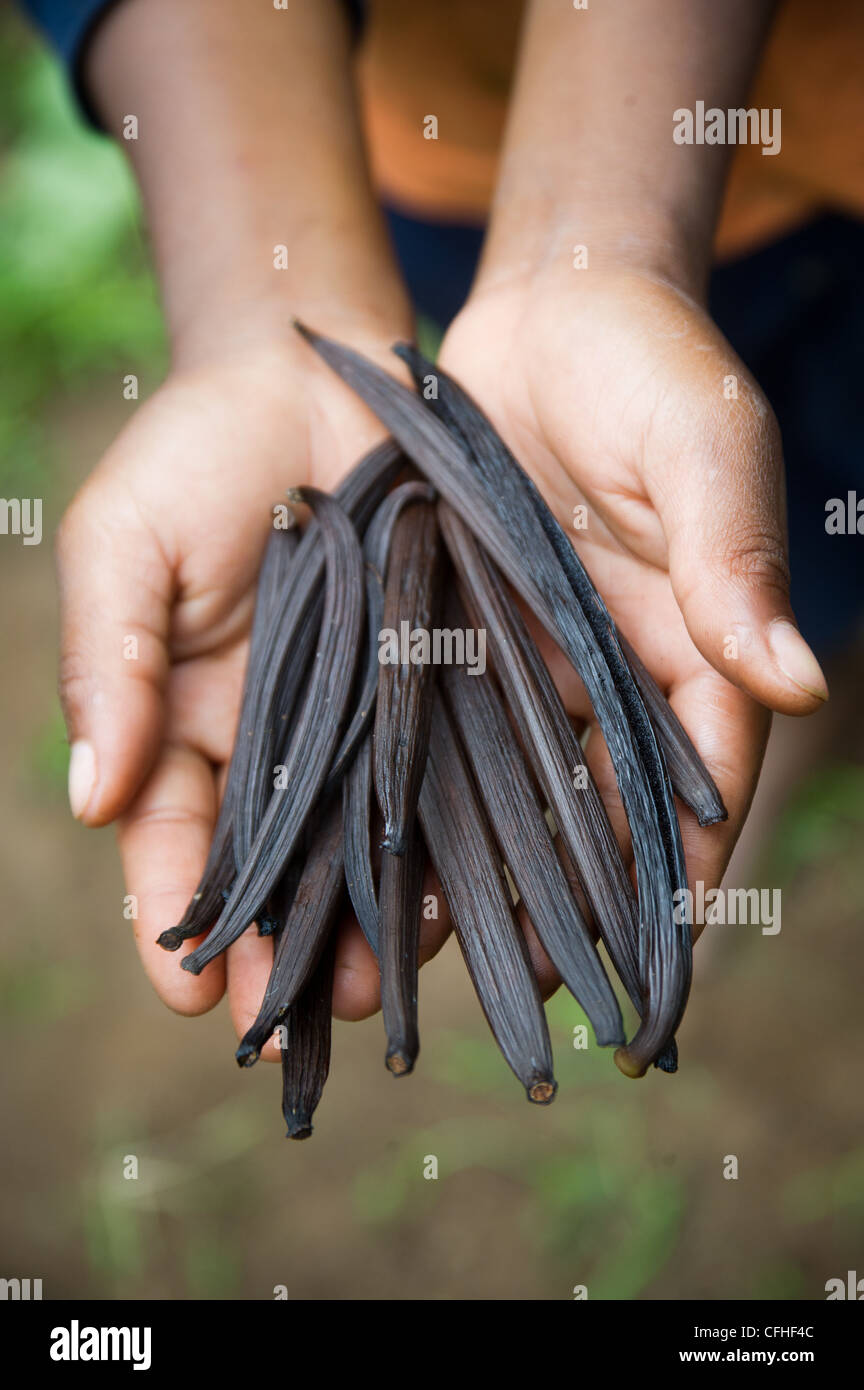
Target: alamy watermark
x=736, y=126
x=440, y=646
x=22, y=516
x=844, y=516
x=755, y=907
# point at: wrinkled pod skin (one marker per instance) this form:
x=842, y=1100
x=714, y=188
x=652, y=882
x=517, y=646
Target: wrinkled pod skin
x=465, y=858
x=315, y=735
x=544, y=568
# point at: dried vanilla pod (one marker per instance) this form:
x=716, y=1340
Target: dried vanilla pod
x=288, y=563
x=554, y=752
x=376, y=546
x=465, y=858
x=403, y=705
x=689, y=776
x=220, y=868
x=308, y=1028
x=315, y=735
x=290, y=643
x=356, y=811
x=519, y=826
x=665, y=949
x=452, y=404
x=400, y=741
x=357, y=787
x=544, y=568
x=304, y=933
x=401, y=900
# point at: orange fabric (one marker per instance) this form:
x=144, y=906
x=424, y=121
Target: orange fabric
x=447, y=60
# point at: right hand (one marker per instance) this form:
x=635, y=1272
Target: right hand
x=163, y=545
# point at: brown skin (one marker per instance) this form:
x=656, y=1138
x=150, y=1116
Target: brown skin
x=607, y=383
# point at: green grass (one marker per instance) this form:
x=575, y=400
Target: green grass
x=77, y=296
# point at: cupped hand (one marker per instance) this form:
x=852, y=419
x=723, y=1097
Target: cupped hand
x=661, y=457
x=158, y=556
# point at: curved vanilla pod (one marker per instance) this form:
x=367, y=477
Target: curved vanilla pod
x=544, y=568
x=519, y=826
x=220, y=868
x=689, y=776
x=376, y=546
x=357, y=785
x=306, y=1049
x=665, y=945
x=356, y=812
x=451, y=403
x=289, y=645
x=403, y=707
x=316, y=731
x=216, y=878
x=466, y=861
x=554, y=752
x=401, y=898
x=305, y=932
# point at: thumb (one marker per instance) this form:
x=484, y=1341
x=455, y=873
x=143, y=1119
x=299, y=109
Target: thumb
x=723, y=512
x=115, y=593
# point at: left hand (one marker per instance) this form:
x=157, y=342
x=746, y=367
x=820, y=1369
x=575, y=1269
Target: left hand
x=616, y=394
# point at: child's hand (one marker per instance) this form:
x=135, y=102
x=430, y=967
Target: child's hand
x=158, y=557
x=619, y=394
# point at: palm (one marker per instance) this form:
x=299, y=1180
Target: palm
x=192, y=481
x=595, y=404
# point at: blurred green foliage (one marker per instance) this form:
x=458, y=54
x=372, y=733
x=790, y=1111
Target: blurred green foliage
x=591, y=1199
x=46, y=760
x=822, y=821
x=77, y=296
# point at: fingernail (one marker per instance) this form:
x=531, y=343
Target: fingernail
x=795, y=658
x=82, y=776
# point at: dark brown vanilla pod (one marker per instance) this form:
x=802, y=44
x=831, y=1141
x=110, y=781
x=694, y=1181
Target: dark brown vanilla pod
x=403, y=705
x=220, y=868
x=213, y=887
x=378, y=539
x=306, y=930
x=376, y=546
x=308, y=1028
x=356, y=811
x=465, y=859
x=401, y=896
x=289, y=645
x=554, y=752
x=665, y=945
x=519, y=826
x=315, y=735
x=690, y=778
x=507, y=514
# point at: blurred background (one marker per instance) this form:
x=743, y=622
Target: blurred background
x=617, y=1186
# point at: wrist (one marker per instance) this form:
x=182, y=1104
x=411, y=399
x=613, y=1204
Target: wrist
x=240, y=328
x=570, y=244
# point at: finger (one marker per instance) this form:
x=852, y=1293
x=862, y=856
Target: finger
x=547, y=976
x=720, y=497
x=730, y=731
x=205, y=701
x=164, y=839
x=248, y=962
x=357, y=981
x=115, y=591
x=356, y=978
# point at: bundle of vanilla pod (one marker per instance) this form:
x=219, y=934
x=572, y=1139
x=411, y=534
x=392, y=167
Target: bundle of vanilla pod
x=383, y=762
